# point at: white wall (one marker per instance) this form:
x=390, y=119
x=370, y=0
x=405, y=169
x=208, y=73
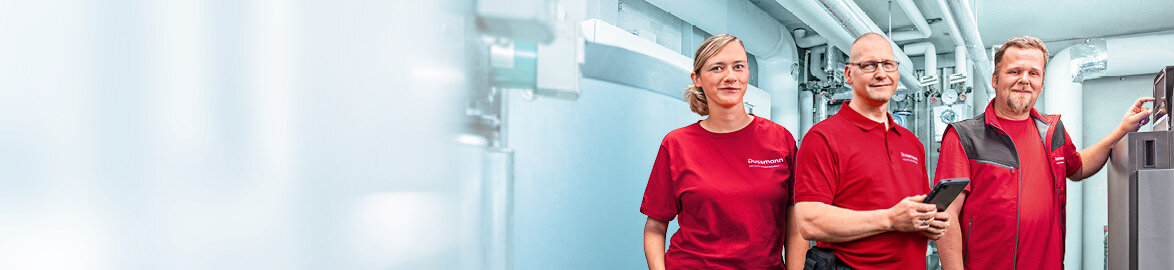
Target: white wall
x=580, y=171
x=1105, y=103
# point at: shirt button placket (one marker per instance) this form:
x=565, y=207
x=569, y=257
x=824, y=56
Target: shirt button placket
x=894, y=167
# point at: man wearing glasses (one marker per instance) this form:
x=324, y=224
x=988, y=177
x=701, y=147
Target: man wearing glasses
x=860, y=179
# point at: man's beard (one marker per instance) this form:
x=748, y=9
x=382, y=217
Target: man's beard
x=1019, y=103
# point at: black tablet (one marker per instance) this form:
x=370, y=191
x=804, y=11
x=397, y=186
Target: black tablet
x=944, y=193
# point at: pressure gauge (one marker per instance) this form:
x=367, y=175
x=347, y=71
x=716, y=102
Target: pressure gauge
x=949, y=96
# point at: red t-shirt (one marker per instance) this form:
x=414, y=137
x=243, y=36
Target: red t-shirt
x=1040, y=242
x=852, y=162
x=731, y=192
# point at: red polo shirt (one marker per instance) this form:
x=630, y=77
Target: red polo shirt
x=730, y=191
x=852, y=162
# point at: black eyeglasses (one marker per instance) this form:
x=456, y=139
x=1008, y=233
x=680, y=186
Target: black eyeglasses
x=870, y=66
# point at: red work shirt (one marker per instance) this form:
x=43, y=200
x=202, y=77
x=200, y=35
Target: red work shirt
x=1013, y=216
x=731, y=192
x=852, y=162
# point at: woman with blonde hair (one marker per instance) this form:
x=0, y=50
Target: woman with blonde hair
x=728, y=179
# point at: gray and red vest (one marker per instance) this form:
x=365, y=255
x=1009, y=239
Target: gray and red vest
x=990, y=215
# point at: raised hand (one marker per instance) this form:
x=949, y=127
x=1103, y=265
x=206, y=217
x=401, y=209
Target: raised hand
x=1136, y=116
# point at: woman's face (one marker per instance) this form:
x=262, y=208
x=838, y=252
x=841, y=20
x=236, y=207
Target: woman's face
x=724, y=76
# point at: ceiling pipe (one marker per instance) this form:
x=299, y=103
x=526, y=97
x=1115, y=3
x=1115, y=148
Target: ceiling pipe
x=763, y=36
x=927, y=49
x=961, y=66
x=840, y=22
x=951, y=24
x=1064, y=85
x=807, y=41
x=968, y=28
x=920, y=27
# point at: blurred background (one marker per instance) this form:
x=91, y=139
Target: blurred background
x=475, y=134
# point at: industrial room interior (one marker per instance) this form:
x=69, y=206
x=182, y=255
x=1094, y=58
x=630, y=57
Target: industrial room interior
x=468, y=134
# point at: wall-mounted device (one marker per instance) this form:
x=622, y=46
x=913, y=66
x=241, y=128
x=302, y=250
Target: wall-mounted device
x=1163, y=94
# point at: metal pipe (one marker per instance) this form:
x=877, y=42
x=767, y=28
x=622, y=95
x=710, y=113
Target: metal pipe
x=927, y=49
x=830, y=60
x=806, y=111
x=920, y=27
x=807, y=41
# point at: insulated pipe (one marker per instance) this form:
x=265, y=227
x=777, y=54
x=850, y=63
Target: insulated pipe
x=840, y=22
x=1064, y=83
x=762, y=35
x=1065, y=97
x=968, y=28
x=925, y=48
x=920, y=27
x=829, y=60
x=951, y=24
x=960, y=64
x=807, y=41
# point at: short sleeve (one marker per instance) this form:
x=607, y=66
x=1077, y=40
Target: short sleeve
x=952, y=160
x=790, y=181
x=660, y=201
x=1071, y=156
x=816, y=173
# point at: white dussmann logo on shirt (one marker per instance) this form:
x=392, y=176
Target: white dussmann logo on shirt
x=768, y=163
x=909, y=158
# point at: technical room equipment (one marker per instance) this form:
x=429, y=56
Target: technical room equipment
x=1141, y=191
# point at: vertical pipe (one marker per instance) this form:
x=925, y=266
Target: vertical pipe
x=960, y=64
x=968, y=28
x=1066, y=99
x=817, y=68
x=807, y=107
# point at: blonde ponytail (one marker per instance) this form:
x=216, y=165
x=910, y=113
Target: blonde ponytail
x=697, y=101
